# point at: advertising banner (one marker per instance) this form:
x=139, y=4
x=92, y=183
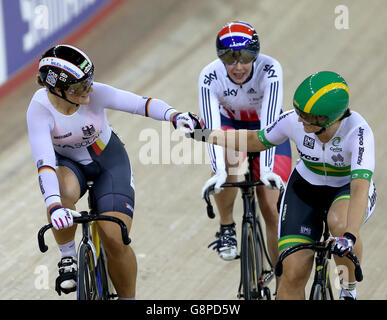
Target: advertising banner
x=29, y=27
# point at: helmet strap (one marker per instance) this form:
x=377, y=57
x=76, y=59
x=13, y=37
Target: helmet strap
x=320, y=131
x=346, y=114
x=63, y=96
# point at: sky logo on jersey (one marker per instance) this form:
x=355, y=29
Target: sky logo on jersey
x=236, y=35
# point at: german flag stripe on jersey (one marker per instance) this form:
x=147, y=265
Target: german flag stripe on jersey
x=147, y=107
x=98, y=146
x=43, y=168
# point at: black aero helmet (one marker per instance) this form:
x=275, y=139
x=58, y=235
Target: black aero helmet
x=64, y=65
x=237, y=41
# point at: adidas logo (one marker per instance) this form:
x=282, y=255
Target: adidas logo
x=251, y=91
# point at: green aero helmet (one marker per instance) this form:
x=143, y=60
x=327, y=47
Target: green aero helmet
x=322, y=97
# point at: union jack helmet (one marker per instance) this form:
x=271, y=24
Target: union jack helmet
x=236, y=36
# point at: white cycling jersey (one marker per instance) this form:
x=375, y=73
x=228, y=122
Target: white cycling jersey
x=258, y=99
x=75, y=136
x=348, y=155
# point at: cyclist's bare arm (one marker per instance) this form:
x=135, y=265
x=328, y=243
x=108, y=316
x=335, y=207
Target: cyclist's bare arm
x=362, y=168
x=239, y=140
x=357, y=205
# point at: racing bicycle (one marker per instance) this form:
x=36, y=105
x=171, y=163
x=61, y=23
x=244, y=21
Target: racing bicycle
x=321, y=287
x=93, y=281
x=254, y=278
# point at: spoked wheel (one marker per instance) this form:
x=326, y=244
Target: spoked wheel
x=106, y=288
x=251, y=263
x=87, y=287
x=266, y=293
x=329, y=290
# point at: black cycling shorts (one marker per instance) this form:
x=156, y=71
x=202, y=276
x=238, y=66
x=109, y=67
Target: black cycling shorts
x=113, y=188
x=303, y=209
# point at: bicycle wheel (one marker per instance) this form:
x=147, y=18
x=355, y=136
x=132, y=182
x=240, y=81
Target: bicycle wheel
x=106, y=288
x=87, y=286
x=329, y=290
x=251, y=263
x=101, y=276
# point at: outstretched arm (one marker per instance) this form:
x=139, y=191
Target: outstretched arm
x=239, y=140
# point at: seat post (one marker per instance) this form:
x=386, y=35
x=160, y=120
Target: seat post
x=326, y=228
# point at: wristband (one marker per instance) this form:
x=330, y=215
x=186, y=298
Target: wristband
x=350, y=236
x=55, y=208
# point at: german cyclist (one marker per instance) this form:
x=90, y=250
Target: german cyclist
x=72, y=143
x=333, y=176
x=243, y=90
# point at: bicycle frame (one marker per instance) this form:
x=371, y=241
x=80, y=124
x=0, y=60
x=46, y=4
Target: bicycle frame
x=90, y=242
x=250, y=217
x=321, y=277
x=323, y=255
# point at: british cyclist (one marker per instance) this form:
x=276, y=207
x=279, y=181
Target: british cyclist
x=243, y=90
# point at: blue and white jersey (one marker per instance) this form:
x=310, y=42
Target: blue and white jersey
x=258, y=99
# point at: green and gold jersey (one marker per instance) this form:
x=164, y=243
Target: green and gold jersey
x=350, y=154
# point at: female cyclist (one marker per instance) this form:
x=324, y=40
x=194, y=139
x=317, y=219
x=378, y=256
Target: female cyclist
x=243, y=90
x=72, y=143
x=333, y=176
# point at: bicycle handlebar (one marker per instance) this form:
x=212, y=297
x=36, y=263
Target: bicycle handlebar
x=318, y=246
x=210, y=190
x=85, y=219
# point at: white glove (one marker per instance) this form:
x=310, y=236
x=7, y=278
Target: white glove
x=187, y=121
x=218, y=179
x=271, y=179
x=62, y=218
x=342, y=245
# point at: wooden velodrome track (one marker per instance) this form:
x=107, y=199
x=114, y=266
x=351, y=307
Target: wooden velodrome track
x=157, y=48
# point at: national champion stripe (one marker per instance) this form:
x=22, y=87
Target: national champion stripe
x=62, y=64
x=324, y=90
x=43, y=168
x=147, y=107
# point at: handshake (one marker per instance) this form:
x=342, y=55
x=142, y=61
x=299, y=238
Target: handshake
x=192, y=124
